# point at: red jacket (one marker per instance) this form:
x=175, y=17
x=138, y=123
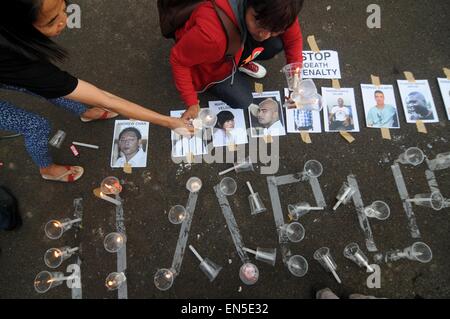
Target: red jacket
x=198, y=57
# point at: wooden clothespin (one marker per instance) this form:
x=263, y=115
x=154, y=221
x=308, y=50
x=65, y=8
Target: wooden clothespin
x=127, y=168
x=447, y=73
x=313, y=44
x=259, y=88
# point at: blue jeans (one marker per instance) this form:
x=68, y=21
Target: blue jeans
x=35, y=129
x=238, y=94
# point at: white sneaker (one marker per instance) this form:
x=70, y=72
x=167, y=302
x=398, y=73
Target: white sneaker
x=253, y=69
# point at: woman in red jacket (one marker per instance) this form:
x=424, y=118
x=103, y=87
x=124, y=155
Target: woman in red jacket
x=199, y=61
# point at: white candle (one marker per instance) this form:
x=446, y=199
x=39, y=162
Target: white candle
x=198, y=124
x=95, y=147
x=310, y=208
x=227, y=171
x=416, y=200
x=109, y=199
x=71, y=222
x=331, y=267
x=250, y=188
x=344, y=196
x=296, y=79
x=196, y=253
x=251, y=251
x=364, y=262
x=195, y=186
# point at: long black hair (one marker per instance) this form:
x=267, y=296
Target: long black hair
x=18, y=34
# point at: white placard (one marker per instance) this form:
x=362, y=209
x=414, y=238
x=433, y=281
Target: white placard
x=321, y=65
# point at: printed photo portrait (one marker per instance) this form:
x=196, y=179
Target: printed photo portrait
x=130, y=144
x=266, y=115
x=302, y=121
x=444, y=85
x=183, y=146
x=380, y=106
x=230, y=128
x=340, y=113
x=418, y=102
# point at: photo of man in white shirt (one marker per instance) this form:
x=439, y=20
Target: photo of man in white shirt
x=341, y=117
x=130, y=149
x=268, y=115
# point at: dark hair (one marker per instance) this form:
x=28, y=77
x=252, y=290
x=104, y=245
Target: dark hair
x=18, y=34
x=131, y=130
x=379, y=92
x=276, y=15
x=224, y=117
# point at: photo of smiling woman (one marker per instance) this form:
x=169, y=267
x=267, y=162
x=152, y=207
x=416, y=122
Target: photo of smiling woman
x=27, y=56
x=224, y=134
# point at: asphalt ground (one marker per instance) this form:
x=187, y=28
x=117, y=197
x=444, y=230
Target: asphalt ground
x=119, y=49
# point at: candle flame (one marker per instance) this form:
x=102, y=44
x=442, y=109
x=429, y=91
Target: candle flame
x=110, y=283
x=57, y=254
x=57, y=224
x=119, y=239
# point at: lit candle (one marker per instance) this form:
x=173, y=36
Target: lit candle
x=297, y=79
x=198, y=124
x=168, y=275
x=57, y=224
x=111, y=186
x=195, y=186
x=344, y=196
x=115, y=280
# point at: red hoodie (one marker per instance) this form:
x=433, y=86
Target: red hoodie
x=198, y=57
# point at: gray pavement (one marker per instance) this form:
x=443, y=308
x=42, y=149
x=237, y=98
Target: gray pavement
x=119, y=49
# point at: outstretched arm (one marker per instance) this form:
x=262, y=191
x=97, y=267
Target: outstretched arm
x=89, y=94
